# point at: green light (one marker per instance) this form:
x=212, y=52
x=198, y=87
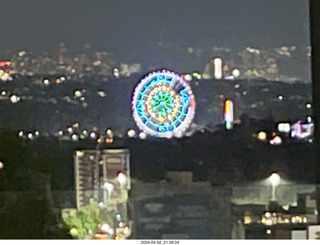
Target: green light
x=162, y=103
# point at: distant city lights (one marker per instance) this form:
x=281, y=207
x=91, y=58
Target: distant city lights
x=22, y=53
x=262, y=135
x=188, y=77
x=20, y=134
x=302, y=130
x=30, y=136
x=77, y=94
x=142, y=136
x=116, y=72
x=284, y=127
x=14, y=99
x=280, y=97
x=109, y=136
x=5, y=76
x=276, y=140
x=197, y=75
x=235, y=73
x=93, y=135
x=99, y=140
x=101, y=93
x=75, y=137
x=46, y=81
x=131, y=133
x=217, y=62
x=309, y=119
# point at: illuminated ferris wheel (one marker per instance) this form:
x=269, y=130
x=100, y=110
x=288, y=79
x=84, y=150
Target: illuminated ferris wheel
x=163, y=104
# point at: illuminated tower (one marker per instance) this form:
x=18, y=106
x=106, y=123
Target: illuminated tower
x=217, y=68
x=228, y=113
x=87, y=176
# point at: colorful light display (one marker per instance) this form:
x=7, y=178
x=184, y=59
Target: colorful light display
x=302, y=130
x=163, y=104
x=228, y=113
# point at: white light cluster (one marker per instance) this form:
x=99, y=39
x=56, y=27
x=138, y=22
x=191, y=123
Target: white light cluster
x=46, y=81
x=276, y=140
x=142, y=135
x=116, y=72
x=131, y=133
x=284, y=127
x=14, y=99
x=262, y=135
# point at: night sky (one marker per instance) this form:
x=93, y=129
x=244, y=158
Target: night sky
x=131, y=28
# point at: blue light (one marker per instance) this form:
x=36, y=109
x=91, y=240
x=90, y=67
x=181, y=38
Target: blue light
x=163, y=104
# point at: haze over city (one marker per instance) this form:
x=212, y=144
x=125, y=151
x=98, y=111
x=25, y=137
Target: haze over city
x=133, y=30
x=162, y=119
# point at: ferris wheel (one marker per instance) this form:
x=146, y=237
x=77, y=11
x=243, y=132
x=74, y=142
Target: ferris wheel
x=163, y=104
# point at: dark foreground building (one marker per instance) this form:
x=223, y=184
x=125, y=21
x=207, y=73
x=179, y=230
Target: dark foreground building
x=179, y=208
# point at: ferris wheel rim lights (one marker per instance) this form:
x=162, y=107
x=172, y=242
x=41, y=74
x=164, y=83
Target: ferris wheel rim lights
x=163, y=104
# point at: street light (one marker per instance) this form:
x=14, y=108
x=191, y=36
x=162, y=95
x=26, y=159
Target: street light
x=122, y=179
x=109, y=189
x=274, y=179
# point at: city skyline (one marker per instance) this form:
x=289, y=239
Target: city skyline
x=135, y=30
x=159, y=119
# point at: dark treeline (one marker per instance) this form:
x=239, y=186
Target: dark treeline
x=31, y=169
x=207, y=153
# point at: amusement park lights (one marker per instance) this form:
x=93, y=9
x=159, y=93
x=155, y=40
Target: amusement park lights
x=163, y=104
x=228, y=112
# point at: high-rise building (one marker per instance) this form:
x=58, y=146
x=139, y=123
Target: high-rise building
x=217, y=67
x=87, y=176
x=104, y=176
x=116, y=180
